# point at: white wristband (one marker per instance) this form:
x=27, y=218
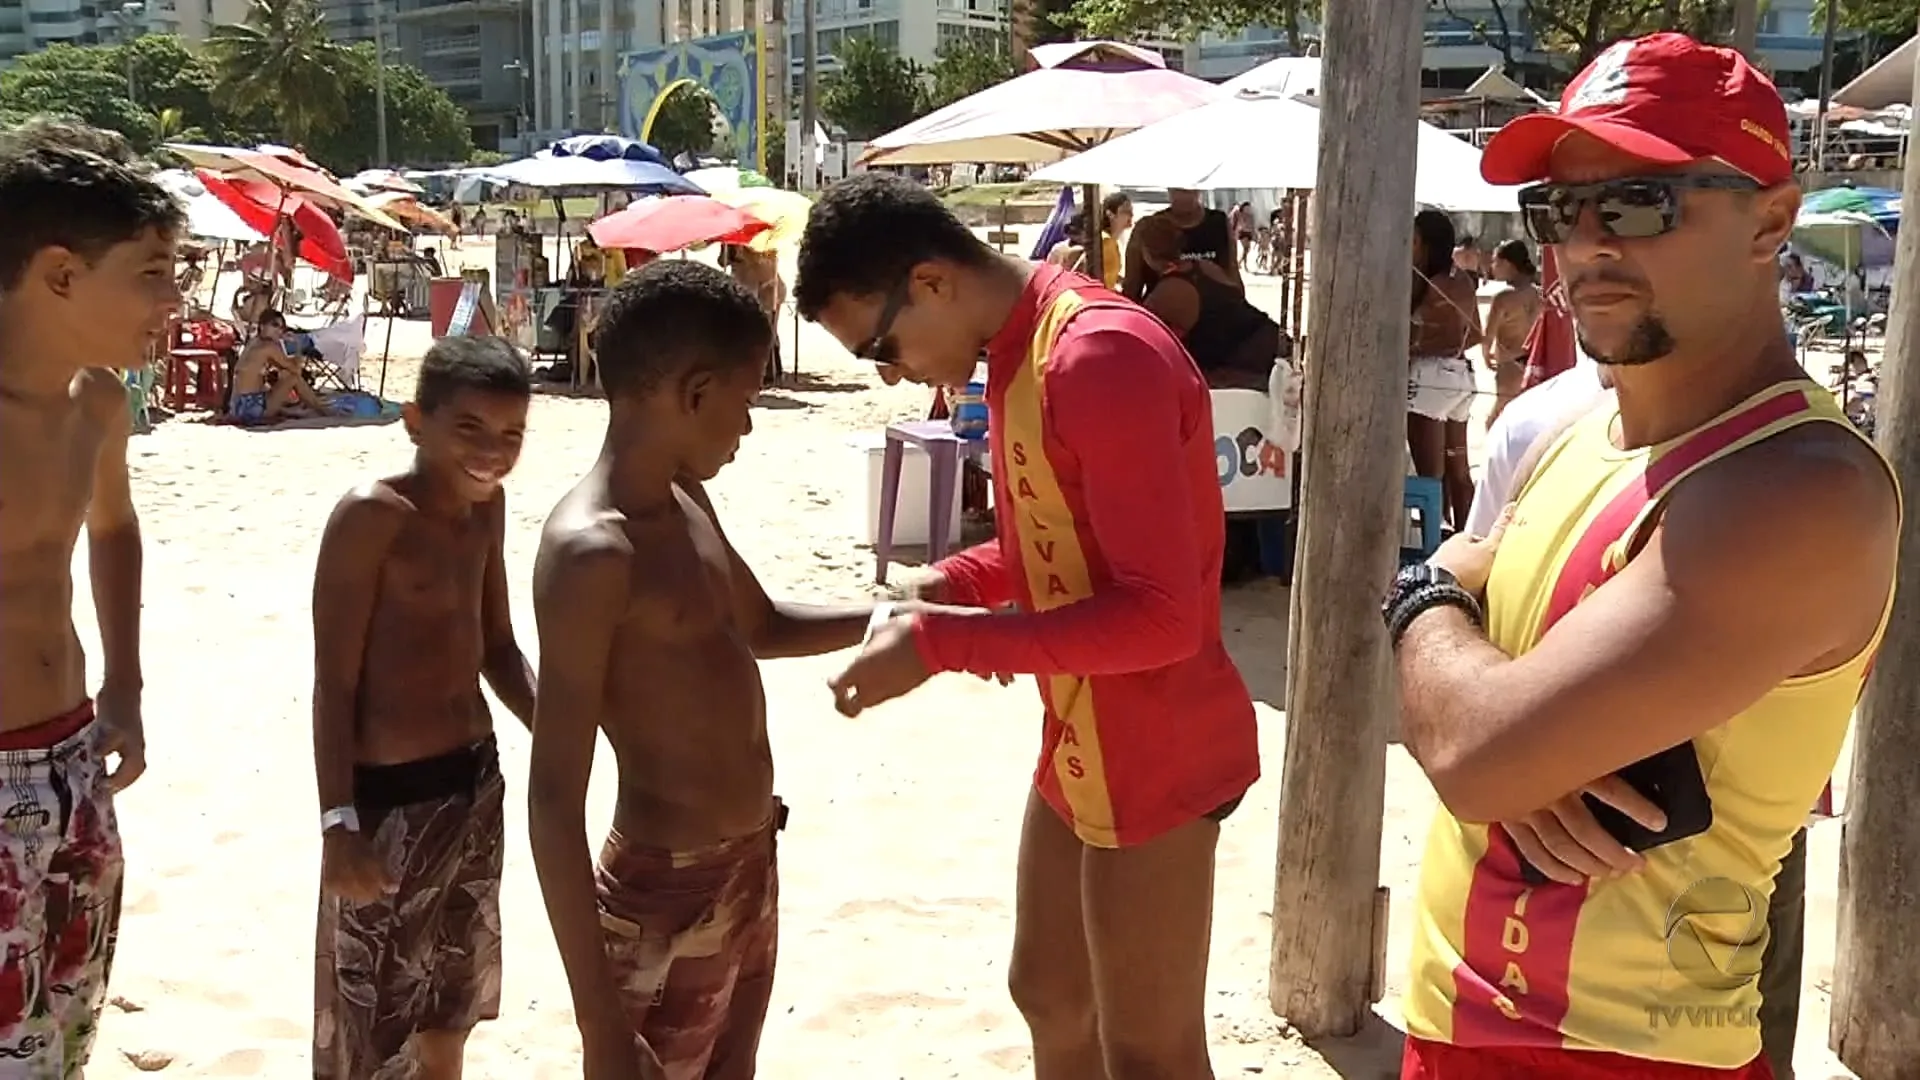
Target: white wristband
x=881, y=613
x=340, y=817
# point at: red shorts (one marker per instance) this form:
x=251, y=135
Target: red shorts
x=1425, y=1060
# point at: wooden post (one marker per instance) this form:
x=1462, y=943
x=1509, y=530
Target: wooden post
x=1340, y=703
x=1876, y=971
x=1297, y=208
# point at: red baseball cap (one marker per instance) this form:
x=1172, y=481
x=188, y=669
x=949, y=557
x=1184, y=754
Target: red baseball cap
x=1665, y=99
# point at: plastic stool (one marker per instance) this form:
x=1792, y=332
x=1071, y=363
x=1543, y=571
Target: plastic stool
x=205, y=378
x=1423, y=496
x=944, y=450
x=1276, y=545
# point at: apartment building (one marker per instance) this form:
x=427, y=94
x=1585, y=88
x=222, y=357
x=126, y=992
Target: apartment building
x=472, y=49
x=916, y=29
x=31, y=25
x=1457, y=52
x=192, y=20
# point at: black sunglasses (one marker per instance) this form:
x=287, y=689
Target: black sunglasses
x=1632, y=208
x=880, y=349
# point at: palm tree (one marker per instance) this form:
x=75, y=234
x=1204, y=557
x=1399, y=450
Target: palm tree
x=282, y=58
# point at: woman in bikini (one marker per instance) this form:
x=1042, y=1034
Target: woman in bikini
x=1510, y=319
x=1440, y=380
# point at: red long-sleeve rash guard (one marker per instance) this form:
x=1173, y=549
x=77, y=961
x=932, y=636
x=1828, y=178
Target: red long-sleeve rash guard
x=1111, y=532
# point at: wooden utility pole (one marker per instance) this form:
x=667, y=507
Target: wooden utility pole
x=1746, y=26
x=1876, y=973
x=1340, y=699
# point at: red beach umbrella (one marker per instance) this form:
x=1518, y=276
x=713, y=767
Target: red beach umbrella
x=262, y=205
x=674, y=223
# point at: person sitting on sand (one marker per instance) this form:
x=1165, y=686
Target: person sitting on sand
x=86, y=284
x=266, y=380
x=409, y=614
x=1233, y=342
x=650, y=626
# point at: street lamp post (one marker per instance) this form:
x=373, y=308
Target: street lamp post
x=520, y=103
x=379, y=86
x=129, y=18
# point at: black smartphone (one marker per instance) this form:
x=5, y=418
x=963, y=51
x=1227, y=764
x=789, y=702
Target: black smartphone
x=1670, y=780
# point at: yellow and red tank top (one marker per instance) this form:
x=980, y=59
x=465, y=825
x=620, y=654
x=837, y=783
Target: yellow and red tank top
x=1605, y=966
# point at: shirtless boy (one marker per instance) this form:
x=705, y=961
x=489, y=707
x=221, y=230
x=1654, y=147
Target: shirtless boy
x=86, y=278
x=254, y=402
x=650, y=625
x=409, y=611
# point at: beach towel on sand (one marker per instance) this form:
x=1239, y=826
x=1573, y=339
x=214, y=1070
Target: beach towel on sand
x=427, y=956
x=692, y=936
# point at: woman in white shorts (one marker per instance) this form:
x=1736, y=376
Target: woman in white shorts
x=1440, y=380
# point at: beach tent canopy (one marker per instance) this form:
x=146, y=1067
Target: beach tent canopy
x=1214, y=146
x=1889, y=82
x=1496, y=85
x=1093, y=92
x=1291, y=75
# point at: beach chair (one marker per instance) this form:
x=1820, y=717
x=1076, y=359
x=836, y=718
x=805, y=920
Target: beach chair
x=333, y=354
x=139, y=382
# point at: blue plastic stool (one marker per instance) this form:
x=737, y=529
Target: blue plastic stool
x=1424, y=496
x=1276, y=545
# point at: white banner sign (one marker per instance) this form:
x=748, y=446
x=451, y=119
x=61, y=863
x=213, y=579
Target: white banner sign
x=1255, y=474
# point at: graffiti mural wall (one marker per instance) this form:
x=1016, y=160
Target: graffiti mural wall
x=728, y=65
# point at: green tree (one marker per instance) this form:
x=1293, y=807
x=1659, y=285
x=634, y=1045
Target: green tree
x=684, y=124
x=874, y=91
x=424, y=126
x=1575, y=30
x=282, y=59
x=77, y=83
x=171, y=96
x=1042, y=22
x=776, y=152
x=169, y=78
x=966, y=68
x=1893, y=20
x=1188, y=19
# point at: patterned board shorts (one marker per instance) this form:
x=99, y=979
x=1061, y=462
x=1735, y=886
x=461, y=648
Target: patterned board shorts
x=60, y=872
x=693, y=936
x=426, y=957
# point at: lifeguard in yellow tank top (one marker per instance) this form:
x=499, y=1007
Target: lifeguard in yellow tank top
x=1632, y=965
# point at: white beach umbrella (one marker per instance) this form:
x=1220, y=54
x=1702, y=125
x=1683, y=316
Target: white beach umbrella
x=1256, y=140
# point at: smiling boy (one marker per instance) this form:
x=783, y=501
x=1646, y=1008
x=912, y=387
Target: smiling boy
x=409, y=613
x=86, y=285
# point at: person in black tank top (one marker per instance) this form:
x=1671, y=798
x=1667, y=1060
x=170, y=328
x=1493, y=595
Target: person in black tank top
x=1205, y=238
x=1232, y=342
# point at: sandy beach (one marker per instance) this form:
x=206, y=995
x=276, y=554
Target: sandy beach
x=898, y=863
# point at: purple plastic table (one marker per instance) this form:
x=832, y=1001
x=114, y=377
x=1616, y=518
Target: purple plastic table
x=944, y=450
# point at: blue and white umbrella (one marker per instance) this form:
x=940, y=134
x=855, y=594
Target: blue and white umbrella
x=593, y=164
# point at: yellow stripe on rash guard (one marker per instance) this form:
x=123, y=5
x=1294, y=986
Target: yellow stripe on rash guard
x=1055, y=567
